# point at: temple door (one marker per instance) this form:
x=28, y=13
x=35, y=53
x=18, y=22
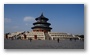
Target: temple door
x=25, y=36
x=35, y=36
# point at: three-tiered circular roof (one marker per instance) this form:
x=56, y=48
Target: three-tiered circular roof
x=40, y=24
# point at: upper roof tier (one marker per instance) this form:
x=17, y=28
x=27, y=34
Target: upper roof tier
x=42, y=17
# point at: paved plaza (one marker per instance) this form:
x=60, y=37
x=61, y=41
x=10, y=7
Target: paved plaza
x=43, y=44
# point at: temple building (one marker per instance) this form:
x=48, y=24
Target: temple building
x=41, y=31
x=41, y=25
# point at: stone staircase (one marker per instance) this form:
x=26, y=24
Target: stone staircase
x=47, y=37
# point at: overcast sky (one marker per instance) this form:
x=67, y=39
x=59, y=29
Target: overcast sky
x=66, y=18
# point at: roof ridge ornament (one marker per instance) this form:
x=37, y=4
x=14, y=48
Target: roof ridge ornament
x=42, y=14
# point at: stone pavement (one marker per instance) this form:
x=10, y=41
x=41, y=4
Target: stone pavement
x=43, y=44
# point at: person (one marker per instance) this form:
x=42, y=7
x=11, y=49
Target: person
x=75, y=39
x=6, y=35
x=58, y=40
x=49, y=38
x=30, y=39
x=53, y=38
x=70, y=39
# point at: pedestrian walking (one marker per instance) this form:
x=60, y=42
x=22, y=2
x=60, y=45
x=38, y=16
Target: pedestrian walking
x=30, y=39
x=58, y=40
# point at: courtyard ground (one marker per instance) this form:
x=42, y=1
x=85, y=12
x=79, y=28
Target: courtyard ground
x=43, y=44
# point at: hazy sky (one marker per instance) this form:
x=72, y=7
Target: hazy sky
x=66, y=18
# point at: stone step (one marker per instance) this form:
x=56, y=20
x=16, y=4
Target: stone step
x=47, y=37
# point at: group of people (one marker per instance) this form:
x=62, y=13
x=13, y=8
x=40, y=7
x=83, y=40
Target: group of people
x=73, y=39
